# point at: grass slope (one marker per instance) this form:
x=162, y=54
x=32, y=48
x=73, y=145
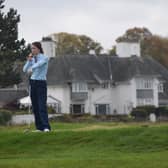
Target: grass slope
x=86, y=145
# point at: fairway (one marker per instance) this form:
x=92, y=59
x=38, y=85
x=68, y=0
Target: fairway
x=86, y=145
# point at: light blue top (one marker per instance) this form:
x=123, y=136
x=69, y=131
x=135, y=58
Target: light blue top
x=39, y=68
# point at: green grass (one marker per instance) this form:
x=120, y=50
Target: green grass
x=86, y=145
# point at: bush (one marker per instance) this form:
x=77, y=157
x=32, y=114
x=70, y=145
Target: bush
x=5, y=117
x=149, y=109
x=162, y=111
x=62, y=118
x=51, y=110
x=74, y=118
x=122, y=118
x=143, y=112
x=116, y=117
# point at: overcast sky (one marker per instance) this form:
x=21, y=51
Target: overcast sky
x=102, y=20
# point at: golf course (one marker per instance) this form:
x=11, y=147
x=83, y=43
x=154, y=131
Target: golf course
x=86, y=145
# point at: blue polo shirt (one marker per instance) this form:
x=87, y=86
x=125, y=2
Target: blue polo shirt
x=39, y=68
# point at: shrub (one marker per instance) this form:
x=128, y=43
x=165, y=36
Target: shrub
x=162, y=111
x=51, y=110
x=143, y=112
x=149, y=109
x=5, y=117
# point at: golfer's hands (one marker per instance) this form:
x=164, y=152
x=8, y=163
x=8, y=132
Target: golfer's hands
x=29, y=71
x=29, y=57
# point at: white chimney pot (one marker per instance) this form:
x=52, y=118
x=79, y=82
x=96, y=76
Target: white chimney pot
x=127, y=49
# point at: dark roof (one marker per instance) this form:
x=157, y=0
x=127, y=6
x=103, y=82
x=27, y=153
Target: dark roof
x=98, y=68
x=82, y=68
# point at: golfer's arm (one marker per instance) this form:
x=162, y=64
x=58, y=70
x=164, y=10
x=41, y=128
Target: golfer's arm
x=40, y=63
x=27, y=66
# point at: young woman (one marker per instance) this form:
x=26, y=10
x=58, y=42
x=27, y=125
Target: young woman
x=36, y=66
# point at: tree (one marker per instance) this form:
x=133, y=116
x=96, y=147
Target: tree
x=156, y=47
x=135, y=34
x=73, y=44
x=11, y=49
x=112, y=51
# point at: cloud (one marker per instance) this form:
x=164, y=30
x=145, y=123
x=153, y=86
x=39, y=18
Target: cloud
x=103, y=20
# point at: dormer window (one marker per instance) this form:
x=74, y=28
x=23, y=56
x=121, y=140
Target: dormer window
x=144, y=83
x=79, y=87
x=105, y=85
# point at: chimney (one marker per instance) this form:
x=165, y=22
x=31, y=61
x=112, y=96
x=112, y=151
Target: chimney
x=128, y=48
x=49, y=46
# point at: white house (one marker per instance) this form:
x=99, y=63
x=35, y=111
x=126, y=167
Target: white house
x=107, y=84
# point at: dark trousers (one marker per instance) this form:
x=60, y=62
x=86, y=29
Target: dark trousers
x=38, y=94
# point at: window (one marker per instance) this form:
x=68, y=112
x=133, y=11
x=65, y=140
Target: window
x=55, y=106
x=77, y=108
x=105, y=85
x=144, y=93
x=102, y=109
x=144, y=83
x=160, y=88
x=79, y=87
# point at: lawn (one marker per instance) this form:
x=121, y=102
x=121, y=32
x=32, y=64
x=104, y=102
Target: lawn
x=86, y=145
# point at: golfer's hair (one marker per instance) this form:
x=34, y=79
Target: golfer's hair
x=39, y=46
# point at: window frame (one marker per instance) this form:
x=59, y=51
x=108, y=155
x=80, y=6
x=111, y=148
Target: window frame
x=78, y=87
x=107, y=109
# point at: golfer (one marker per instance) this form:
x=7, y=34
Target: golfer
x=36, y=66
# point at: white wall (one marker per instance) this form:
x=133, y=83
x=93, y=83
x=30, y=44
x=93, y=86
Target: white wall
x=133, y=92
x=121, y=98
x=62, y=93
x=98, y=96
x=126, y=49
x=156, y=91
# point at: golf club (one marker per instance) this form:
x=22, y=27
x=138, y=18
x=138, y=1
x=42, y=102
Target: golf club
x=29, y=108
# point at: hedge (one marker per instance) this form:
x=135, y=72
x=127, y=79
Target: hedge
x=143, y=112
x=5, y=117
